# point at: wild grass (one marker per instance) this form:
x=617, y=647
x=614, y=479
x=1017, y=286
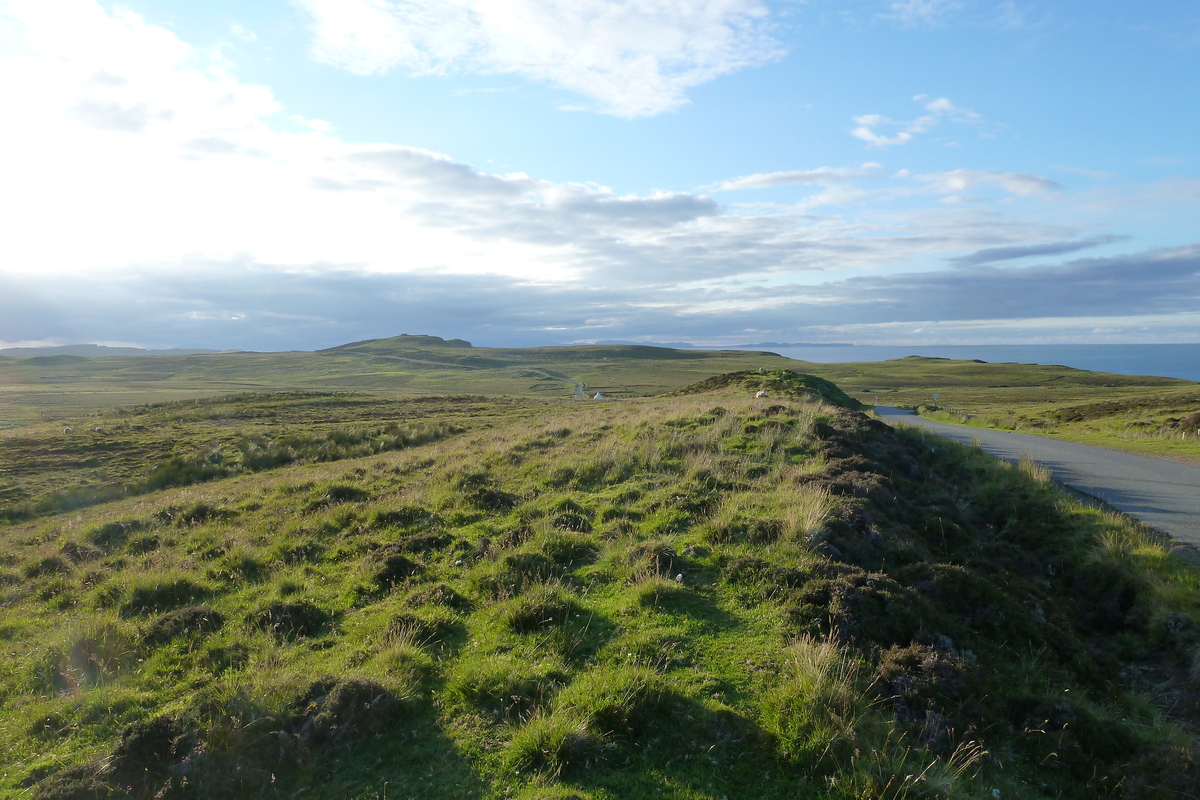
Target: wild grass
x=1151, y=420
x=130, y=452
x=702, y=596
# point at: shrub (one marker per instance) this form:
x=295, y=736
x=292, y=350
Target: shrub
x=112, y=535
x=180, y=471
x=149, y=743
x=403, y=517
x=511, y=574
x=653, y=590
x=429, y=627
x=163, y=592
x=504, y=686
x=77, y=782
x=617, y=702
x=336, y=494
x=291, y=620
x=862, y=605
x=345, y=709
x=655, y=556
x=543, y=608
x=184, y=622
x=391, y=568
x=816, y=710
x=49, y=565
x=553, y=743
x=439, y=595
x=426, y=543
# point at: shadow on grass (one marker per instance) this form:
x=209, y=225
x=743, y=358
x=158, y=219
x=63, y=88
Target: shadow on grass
x=340, y=739
x=647, y=742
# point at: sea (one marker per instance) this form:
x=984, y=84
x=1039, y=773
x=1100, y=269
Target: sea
x=1165, y=360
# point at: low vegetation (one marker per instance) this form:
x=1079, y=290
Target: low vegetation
x=60, y=388
x=1138, y=413
x=706, y=595
x=1163, y=424
x=130, y=451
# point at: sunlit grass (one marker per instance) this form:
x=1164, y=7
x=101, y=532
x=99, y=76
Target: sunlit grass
x=679, y=597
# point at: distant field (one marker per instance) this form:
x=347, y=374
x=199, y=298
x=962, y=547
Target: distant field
x=57, y=390
x=1138, y=413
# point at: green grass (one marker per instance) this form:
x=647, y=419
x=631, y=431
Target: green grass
x=60, y=391
x=697, y=596
x=1138, y=413
x=1158, y=423
x=134, y=450
x=1141, y=414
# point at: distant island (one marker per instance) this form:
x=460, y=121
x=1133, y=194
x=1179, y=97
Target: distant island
x=106, y=351
x=751, y=346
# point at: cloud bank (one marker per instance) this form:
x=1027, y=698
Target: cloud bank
x=249, y=305
x=151, y=196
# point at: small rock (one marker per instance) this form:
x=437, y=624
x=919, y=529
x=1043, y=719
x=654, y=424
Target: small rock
x=830, y=550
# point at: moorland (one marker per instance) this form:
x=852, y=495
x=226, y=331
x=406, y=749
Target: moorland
x=1146, y=414
x=271, y=586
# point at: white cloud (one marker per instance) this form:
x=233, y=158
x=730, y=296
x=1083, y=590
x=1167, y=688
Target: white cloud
x=821, y=176
x=634, y=58
x=1022, y=184
x=939, y=109
x=921, y=12
x=864, y=132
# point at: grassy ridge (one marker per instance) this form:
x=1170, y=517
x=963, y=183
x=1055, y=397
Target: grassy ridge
x=779, y=383
x=700, y=596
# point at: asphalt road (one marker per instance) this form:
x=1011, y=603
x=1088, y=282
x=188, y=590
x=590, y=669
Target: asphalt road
x=1163, y=494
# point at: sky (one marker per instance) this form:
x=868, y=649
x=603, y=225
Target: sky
x=297, y=174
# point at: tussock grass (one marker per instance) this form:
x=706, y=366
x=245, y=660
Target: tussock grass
x=698, y=596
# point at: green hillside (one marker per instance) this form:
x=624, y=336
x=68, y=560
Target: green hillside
x=50, y=389
x=1138, y=413
x=705, y=595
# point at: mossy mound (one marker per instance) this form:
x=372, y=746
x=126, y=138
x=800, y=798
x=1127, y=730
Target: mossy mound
x=781, y=383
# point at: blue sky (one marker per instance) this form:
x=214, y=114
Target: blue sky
x=276, y=175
